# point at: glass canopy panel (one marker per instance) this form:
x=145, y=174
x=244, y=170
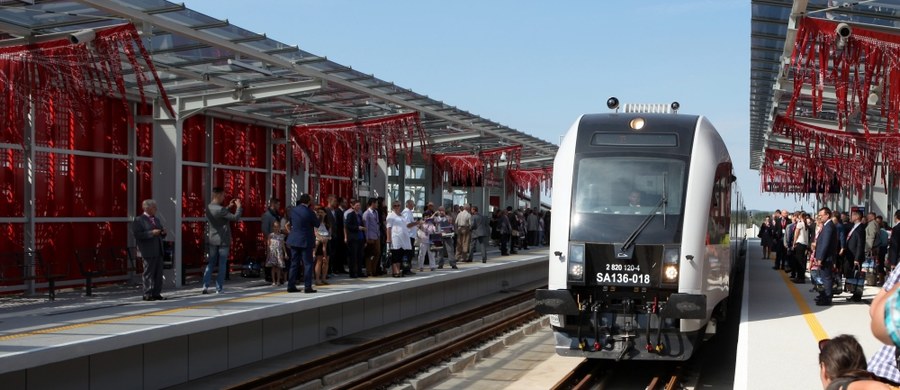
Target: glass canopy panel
x=188, y=17
x=766, y=43
x=231, y=32
x=266, y=45
x=766, y=55
x=767, y=11
x=145, y=5
x=758, y=27
x=39, y=15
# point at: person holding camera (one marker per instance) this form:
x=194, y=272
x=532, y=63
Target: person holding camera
x=149, y=234
x=219, y=220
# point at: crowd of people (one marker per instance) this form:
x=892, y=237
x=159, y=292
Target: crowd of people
x=320, y=241
x=840, y=250
x=835, y=246
x=345, y=238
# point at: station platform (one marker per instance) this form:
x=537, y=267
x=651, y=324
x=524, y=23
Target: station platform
x=781, y=326
x=115, y=340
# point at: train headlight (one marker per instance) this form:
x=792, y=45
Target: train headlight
x=637, y=123
x=576, y=262
x=671, y=273
x=670, y=265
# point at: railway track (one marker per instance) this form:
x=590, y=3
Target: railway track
x=602, y=374
x=379, y=377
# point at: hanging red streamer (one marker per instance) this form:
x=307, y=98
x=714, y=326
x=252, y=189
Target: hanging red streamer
x=458, y=167
x=821, y=155
x=336, y=148
x=867, y=61
x=493, y=157
x=67, y=77
x=522, y=180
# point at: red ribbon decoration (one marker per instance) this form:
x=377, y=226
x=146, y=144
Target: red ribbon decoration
x=461, y=167
x=491, y=157
x=64, y=76
x=821, y=154
x=851, y=65
x=334, y=149
x=526, y=179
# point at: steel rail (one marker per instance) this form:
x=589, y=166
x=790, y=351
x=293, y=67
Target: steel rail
x=325, y=365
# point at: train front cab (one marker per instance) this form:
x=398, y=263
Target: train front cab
x=650, y=296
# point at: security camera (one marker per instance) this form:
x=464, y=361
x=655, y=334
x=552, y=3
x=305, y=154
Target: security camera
x=82, y=36
x=843, y=30
x=675, y=106
x=612, y=103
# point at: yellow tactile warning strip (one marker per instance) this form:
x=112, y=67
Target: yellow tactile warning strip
x=811, y=320
x=121, y=319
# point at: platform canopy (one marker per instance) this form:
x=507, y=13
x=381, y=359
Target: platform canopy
x=206, y=64
x=824, y=94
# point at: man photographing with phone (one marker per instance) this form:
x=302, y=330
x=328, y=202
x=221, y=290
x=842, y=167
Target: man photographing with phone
x=219, y=220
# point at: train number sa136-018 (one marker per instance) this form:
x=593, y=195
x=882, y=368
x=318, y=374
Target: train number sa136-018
x=622, y=278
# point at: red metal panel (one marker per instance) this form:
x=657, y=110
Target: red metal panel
x=11, y=239
x=338, y=187
x=144, y=132
x=58, y=241
x=193, y=190
x=278, y=151
x=12, y=183
x=103, y=129
x=193, y=244
x=239, y=144
x=79, y=186
x=144, y=182
x=194, y=139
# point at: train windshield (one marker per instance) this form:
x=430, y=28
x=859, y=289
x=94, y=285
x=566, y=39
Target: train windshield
x=629, y=185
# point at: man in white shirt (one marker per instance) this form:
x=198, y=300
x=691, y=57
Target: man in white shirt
x=800, y=244
x=413, y=231
x=398, y=239
x=463, y=233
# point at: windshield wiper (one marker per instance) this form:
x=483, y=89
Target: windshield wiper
x=624, y=252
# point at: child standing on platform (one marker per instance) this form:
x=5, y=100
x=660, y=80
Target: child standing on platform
x=276, y=254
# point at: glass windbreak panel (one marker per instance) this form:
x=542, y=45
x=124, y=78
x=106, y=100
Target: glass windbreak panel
x=628, y=185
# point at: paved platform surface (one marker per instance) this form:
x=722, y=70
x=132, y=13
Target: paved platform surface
x=781, y=326
x=35, y=331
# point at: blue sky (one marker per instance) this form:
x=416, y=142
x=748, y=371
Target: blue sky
x=537, y=65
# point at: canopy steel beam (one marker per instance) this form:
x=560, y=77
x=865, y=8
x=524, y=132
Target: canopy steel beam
x=188, y=105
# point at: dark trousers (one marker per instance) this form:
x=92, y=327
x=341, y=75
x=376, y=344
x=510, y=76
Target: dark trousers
x=153, y=272
x=532, y=237
x=504, y=241
x=355, y=258
x=373, y=256
x=478, y=242
x=798, y=269
x=301, y=257
x=780, y=253
x=827, y=280
x=337, y=255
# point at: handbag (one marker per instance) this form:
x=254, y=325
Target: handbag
x=856, y=283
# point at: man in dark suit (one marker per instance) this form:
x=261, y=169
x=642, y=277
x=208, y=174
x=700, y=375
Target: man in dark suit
x=354, y=236
x=148, y=235
x=826, y=251
x=855, y=252
x=302, y=241
x=338, y=250
x=894, y=242
x=779, y=226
